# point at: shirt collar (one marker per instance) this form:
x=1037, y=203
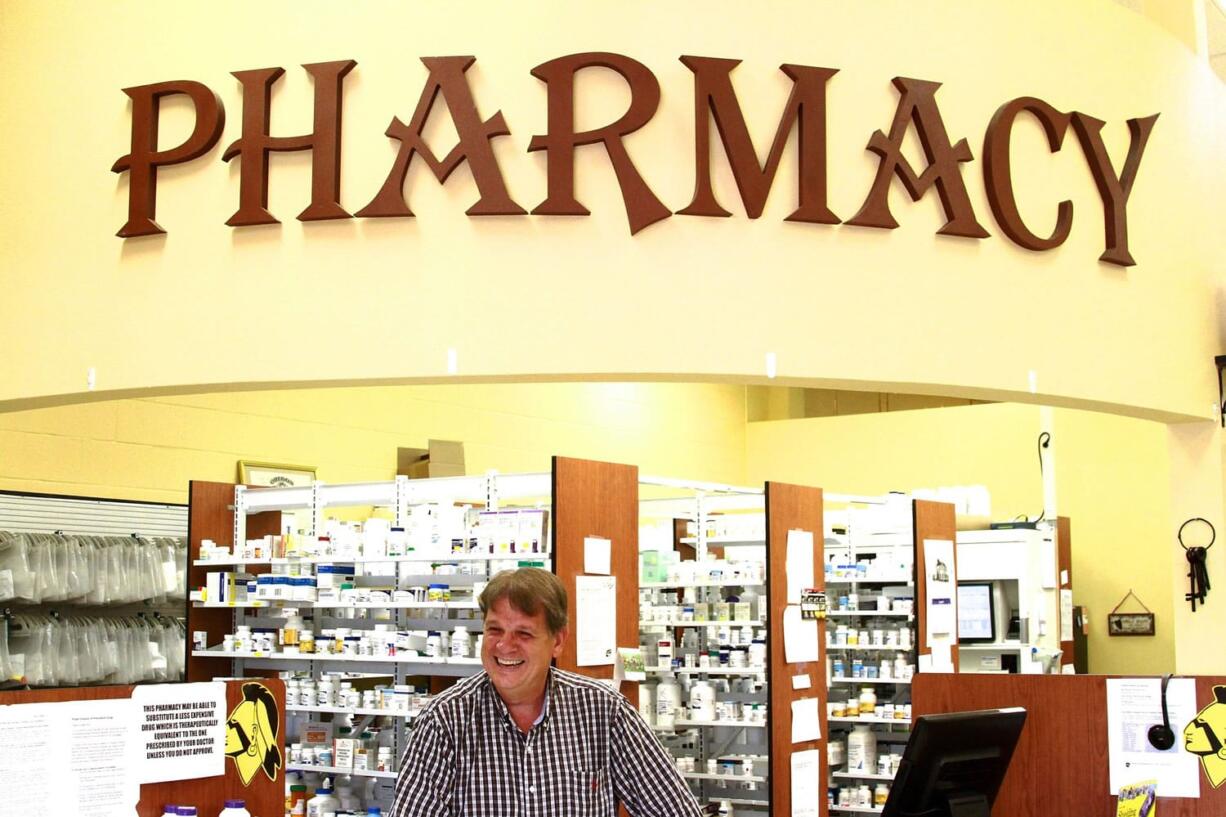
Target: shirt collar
x=552, y=692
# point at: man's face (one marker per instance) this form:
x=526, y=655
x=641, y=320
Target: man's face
x=517, y=650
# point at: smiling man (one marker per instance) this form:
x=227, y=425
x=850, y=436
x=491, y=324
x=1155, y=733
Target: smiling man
x=524, y=739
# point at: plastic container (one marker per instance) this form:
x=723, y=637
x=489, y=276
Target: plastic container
x=862, y=750
x=647, y=703
x=702, y=701
x=323, y=802
x=235, y=808
x=461, y=643
x=668, y=702
x=185, y=811
x=868, y=701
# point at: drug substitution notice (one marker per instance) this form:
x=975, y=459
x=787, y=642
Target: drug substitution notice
x=75, y=757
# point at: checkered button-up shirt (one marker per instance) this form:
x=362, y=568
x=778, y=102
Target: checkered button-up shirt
x=590, y=750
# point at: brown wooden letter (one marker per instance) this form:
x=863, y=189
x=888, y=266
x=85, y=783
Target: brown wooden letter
x=918, y=104
x=1113, y=189
x=998, y=172
x=144, y=159
x=713, y=93
x=447, y=76
x=642, y=207
x=324, y=142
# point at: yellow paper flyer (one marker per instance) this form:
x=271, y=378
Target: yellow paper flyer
x=1137, y=800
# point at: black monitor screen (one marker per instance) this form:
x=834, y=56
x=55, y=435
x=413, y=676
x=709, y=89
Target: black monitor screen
x=976, y=613
x=954, y=764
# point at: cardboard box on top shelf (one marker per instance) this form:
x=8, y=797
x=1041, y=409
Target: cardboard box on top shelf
x=443, y=458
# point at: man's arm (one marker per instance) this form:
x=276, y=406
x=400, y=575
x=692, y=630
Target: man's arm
x=426, y=784
x=644, y=777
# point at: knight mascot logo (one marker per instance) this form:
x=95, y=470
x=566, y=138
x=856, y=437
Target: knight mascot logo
x=1205, y=736
x=251, y=734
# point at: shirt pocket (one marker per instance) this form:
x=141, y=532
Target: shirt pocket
x=591, y=794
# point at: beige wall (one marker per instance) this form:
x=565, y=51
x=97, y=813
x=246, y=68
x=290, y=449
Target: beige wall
x=150, y=448
x=1111, y=480
x=535, y=297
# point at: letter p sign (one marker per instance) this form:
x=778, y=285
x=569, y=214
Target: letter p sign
x=143, y=161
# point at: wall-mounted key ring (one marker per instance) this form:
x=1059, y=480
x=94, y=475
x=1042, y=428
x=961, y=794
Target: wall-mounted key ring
x=1198, y=571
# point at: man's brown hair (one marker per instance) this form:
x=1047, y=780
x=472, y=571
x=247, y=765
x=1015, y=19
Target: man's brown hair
x=529, y=590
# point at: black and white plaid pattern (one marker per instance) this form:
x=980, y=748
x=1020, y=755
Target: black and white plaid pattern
x=466, y=758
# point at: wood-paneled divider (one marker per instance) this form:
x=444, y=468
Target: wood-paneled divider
x=264, y=797
x=598, y=499
x=1064, y=580
x=1060, y=764
x=931, y=520
x=788, y=508
x=211, y=516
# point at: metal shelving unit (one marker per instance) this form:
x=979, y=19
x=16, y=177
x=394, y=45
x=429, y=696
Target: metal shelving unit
x=487, y=493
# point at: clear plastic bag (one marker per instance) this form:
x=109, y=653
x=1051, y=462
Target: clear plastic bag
x=16, y=580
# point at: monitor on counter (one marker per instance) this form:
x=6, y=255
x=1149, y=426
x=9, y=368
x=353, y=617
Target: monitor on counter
x=954, y=764
x=976, y=613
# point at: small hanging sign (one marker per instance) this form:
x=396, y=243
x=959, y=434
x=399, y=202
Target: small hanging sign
x=812, y=603
x=1130, y=623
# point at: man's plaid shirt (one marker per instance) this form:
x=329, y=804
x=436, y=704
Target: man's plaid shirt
x=591, y=749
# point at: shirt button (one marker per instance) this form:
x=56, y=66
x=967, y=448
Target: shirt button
x=532, y=790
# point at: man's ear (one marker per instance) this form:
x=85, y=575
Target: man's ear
x=559, y=640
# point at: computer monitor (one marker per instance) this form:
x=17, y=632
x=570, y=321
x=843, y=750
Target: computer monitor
x=976, y=613
x=954, y=764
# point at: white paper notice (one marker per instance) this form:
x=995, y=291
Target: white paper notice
x=597, y=555
x=942, y=657
x=799, y=636
x=805, y=725
x=806, y=768
x=1047, y=575
x=941, y=617
x=76, y=757
x=1133, y=706
x=1063, y=578
x=799, y=563
x=595, y=620
x=1066, y=615
x=183, y=732
x=801, y=681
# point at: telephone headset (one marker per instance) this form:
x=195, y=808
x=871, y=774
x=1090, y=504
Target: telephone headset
x=1160, y=735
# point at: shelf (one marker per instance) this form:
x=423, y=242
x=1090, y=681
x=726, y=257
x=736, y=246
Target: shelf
x=683, y=585
x=888, y=778
x=746, y=623
x=867, y=613
x=743, y=539
x=363, y=560
x=870, y=647
x=857, y=809
x=709, y=670
x=853, y=681
x=888, y=721
x=279, y=604
x=727, y=778
x=340, y=710
x=334, y=770
x=684, y=724
x=899, y=580
x=333, y=658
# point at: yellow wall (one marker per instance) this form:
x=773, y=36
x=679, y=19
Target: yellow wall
x=534, y=297
x=1111, y=479
x=150, y=448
